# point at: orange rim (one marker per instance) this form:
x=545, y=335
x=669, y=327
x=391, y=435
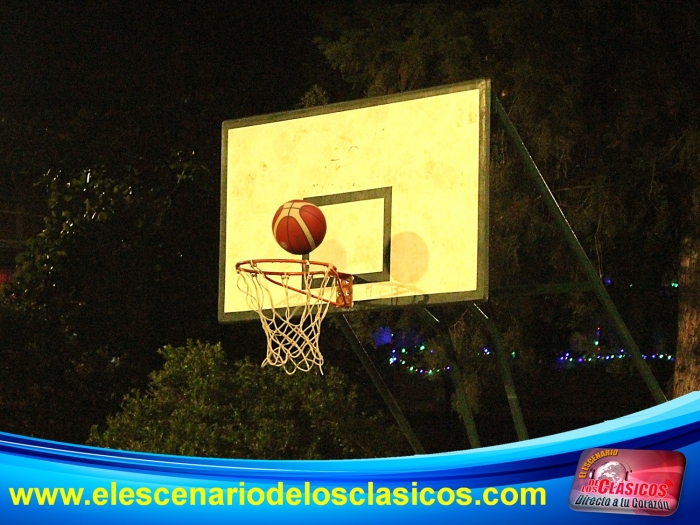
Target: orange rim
x=343, y=280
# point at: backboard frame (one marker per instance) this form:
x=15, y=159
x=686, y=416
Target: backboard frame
x=479, y=293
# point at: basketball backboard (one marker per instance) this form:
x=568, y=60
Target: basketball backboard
x=402, y=181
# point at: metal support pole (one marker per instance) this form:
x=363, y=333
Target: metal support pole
x=384, y=391
x=581, y=256
x=504, y=367
x=456, y=375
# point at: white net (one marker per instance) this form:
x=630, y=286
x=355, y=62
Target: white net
x=292, y=331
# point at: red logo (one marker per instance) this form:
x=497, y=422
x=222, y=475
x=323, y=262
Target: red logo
x=644, y=482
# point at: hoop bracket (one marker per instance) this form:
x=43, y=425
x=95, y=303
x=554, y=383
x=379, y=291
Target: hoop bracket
x=344, y=290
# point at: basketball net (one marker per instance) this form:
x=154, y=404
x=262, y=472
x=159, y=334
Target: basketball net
x=292, y=331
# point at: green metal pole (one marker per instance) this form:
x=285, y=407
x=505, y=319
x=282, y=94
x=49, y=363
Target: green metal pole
x=511, y=394
x=456, y=375
x=384, y=391
x=581, y=256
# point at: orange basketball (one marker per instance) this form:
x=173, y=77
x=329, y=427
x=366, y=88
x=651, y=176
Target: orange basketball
x=299, y=227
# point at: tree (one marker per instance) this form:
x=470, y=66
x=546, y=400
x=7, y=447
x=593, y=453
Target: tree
x=108, y=280
x=127, y=261
x=199, y=404
x=601, y=94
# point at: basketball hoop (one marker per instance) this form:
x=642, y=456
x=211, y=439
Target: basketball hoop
x=293, y=325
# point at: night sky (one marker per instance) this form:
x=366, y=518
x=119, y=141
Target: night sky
x=244, y=57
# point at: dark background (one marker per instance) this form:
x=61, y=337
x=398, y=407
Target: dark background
x=149, y=79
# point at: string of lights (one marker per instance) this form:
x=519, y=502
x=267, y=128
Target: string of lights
x=568, y=357
x=409, y=352
x=410, y=360
x=605, y=355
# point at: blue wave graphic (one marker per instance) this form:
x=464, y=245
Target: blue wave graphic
x=549, y=462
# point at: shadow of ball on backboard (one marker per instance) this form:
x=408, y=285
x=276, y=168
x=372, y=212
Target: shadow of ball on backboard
x=409, y=257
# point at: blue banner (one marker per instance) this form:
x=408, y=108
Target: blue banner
x=530, y=481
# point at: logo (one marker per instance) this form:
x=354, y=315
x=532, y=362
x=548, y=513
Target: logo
x=618, y=481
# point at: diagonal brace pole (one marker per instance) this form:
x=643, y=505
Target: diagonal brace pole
x=384, y=391
x=579, y=252
x=465, y=410
x=511, y=394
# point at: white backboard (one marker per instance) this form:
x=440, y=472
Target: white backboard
x=401, y=179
